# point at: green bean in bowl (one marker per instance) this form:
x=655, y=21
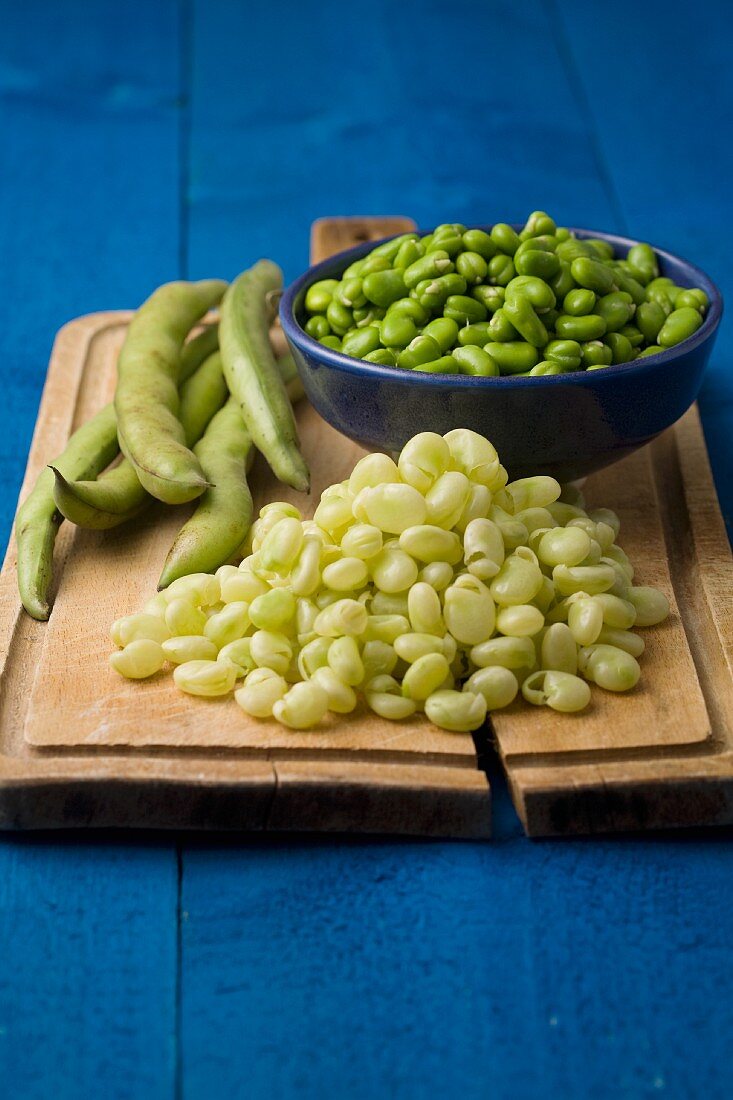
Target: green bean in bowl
x=570, y=350
x=486, y=303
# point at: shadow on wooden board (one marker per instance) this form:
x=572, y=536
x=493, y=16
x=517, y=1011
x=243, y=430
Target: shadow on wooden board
x=80, y=747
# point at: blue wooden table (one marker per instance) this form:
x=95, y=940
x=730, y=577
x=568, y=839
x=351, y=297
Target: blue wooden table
x=145, y=141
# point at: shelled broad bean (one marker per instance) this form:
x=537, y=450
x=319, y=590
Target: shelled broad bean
x=464, y=301
x=429, y=583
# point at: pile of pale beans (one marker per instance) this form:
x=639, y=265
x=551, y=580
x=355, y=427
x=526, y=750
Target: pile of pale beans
x=431, y=583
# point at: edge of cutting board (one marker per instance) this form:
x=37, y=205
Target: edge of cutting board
x=654, y=759
x=662, y=756
x=579, y=791
x=429, y=784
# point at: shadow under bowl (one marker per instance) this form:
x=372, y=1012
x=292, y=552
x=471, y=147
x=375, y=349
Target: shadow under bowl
x=566, y=425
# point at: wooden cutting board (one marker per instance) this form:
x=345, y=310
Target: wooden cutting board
x=80, y=746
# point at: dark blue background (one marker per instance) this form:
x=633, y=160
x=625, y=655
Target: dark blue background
x=142, y=141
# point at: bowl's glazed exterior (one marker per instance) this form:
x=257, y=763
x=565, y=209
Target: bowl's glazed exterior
x=565, y=425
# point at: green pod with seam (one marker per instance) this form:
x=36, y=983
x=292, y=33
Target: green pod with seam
x=252, y=375
x=146, y=397
x=219, y=526
x=90, y=449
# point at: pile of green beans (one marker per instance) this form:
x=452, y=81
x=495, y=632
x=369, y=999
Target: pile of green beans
x=430, y=583
x=182, y=436
x=537, y=302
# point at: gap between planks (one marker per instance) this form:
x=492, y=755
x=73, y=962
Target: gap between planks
x=422, y=780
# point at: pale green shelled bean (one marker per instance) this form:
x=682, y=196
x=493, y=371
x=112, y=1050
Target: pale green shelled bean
x=251, y=374
x=430, y=582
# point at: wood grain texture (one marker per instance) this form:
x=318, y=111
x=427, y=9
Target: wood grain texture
x=76, y=704
x=408, y=799
x=60, y=696
x=668, y=707
x=580, y=777
x=88, y=967
x=77, y=701
x=314, y=966
x=321, y=967
x=330, y=235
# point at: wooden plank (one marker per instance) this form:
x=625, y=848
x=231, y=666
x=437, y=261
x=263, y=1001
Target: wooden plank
x=668, y=705
x=63, y=710
x=75, y=704
x=87, y=930
x=602, y=959
x=330, y=235
x=696, y=168
x=413, y=800
x=593, y=775
x=77, y=701
x=570, y=783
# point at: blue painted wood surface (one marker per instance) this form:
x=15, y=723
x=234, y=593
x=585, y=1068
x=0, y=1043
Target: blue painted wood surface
x=142, y=141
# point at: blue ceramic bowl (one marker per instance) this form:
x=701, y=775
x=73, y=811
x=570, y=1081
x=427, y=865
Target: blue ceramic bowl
x=565, y=425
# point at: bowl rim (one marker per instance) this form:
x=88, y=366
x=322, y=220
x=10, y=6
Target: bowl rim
x=336, y=359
